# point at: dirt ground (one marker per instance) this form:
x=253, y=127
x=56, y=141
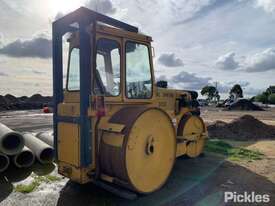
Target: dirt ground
x=212, y=114
x=201, y=181
x=264, y=167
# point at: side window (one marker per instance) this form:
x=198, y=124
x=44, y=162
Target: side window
x=74, y=71
x=107, y=77
x=138, y=71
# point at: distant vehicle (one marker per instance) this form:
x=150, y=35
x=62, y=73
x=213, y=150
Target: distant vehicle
x=203, y=102
x=47, y=109
x=228, y=102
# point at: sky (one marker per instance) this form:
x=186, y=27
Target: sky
x=196, y=42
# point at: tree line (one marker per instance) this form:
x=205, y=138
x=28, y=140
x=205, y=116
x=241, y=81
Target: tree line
x=267, y=97
x=212, y=94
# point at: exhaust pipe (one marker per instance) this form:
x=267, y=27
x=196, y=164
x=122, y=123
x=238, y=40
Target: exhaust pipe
x=11, y=142
x=45, y=137
x=4, y=162
x=43, y=152
x=25, y=158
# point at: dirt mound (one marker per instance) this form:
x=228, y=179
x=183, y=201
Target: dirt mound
x=23, y=98
x=39, y=98
x=11, y=99
x=246, y=127
x=36, y=98
x=244, y=104
x=3, y=101
x=36, y=101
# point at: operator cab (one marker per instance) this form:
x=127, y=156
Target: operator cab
x=123, y=68
x=109, y=64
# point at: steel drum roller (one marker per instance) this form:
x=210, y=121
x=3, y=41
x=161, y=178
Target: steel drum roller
x=142, y=155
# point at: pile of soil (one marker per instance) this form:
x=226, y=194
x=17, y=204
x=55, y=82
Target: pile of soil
x=10, y=99
x=244, y=104
x=3, y=101
x=244, y=128
x=37, y=101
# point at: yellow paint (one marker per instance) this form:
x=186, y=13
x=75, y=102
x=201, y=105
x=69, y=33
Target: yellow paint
x=114, y=139
x=148, y=171
x=147, y=168
x=194, y=133
x=112, y=127
x=68, y=143
x=195, y=148
x=106, y=178
x=69, y=109
x=75, y=174
x=181, y=148
x=193, y=127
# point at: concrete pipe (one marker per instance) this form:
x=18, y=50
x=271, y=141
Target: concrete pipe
x=11, y=142
x=43, y=152
x=46, y=137
x=4, y=162
x=25, y=158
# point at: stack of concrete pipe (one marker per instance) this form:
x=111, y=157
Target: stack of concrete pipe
x=23, y=149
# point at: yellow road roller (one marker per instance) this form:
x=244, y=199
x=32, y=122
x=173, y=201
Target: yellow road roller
x=113, y=124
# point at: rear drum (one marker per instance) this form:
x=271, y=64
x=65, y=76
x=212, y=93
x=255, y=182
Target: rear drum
x=146, y=155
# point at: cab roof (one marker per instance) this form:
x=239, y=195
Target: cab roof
x=104, y=24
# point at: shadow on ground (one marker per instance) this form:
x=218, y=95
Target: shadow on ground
x=14, y=174
x=200, y=181
x=5, y=188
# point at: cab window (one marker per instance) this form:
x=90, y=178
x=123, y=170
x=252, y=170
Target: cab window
x=73, y=83
x=107, y=76
x=138, y=71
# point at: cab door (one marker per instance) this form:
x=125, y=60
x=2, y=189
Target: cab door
x=108, y=70
x=139, y=88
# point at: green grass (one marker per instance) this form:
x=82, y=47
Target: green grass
x=53, y=178
x=27, y=188
x=37, y=180
x=233, y=153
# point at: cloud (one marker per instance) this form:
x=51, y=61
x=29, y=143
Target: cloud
x=39, y=46
x=199, y=8
x=102, y=6
x=59, y=15
x=185, y=80
x=227, y=62
x=170, y=60
x=253, y=91
x=2, y=74
x=161, y=78
x=37, y=72
x=1, y=39
x=267, y=5
x=241, y=83
x=190, y=81
x=261, y=62
x=225, y=87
